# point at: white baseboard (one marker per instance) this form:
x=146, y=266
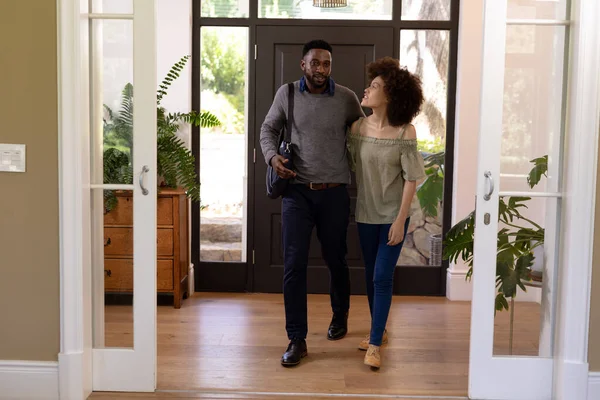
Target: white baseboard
x=594, y=386
x=459, y=289
x=29, y=380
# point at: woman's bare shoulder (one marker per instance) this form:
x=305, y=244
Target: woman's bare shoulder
x=410, y=132
x=355, y=127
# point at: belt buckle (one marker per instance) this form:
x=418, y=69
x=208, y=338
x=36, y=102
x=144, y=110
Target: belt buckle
x=310, y=185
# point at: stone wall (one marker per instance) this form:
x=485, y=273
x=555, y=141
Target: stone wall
x=416, y=246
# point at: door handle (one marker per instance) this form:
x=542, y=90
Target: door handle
x=145, y=170
x=488, y=178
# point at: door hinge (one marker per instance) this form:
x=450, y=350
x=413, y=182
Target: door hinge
x=253, y=257
x=255, y=155
x=255, y=51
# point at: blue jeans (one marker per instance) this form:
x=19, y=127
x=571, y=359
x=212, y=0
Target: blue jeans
x=380, y=263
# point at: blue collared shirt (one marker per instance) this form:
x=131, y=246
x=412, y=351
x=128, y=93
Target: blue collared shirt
x=330, y=89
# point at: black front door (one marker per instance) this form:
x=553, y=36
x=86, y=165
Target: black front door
x=278, y=62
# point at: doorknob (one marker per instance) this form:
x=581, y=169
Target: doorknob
x=145, y=170
x=488, y=178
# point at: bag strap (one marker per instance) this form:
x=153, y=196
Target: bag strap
x=290, y=115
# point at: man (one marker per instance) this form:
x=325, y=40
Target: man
x=317, y=194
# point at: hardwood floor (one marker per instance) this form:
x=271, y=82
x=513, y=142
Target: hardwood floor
x=233, y=342
x=260, y=396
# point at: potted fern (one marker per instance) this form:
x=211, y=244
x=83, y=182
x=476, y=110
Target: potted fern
x=518, y=244
x=174, y=160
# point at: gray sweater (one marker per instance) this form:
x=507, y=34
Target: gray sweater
x=318, y=133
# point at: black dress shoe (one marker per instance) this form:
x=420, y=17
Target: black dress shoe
x=338, y=327
x=295, y=352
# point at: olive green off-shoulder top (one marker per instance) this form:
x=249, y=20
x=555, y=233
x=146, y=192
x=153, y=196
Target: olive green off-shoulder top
x=382, y=166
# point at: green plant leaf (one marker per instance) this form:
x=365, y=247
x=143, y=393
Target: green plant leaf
x=540, y=169
x=501, y=303
x=171, y=76
x=514, y=256
x=176, y=164
x=436, y=159
x=512, y=277
x=430, y=193
x=458, y=241
x=205, y=119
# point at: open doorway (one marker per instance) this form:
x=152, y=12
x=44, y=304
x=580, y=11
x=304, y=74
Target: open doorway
x=233, y=341
x=240, y=60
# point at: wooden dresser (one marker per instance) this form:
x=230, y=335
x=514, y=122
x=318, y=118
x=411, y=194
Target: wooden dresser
x=172, y=245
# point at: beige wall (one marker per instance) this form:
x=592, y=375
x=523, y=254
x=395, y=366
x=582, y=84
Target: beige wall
x=594, y=338
x=29, y=244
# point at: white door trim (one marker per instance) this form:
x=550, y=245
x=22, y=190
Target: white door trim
x=575, y=272
x=74, y=366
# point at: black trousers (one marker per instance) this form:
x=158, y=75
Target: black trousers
x=302, y=210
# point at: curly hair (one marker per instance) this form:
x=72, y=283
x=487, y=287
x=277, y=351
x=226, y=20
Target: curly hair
x=402, y=88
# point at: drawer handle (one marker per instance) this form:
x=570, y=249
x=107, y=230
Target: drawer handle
x=107, y=243
x=108, y=272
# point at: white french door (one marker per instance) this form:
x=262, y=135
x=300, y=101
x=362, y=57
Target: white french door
x=521, y=129
x=122, y=55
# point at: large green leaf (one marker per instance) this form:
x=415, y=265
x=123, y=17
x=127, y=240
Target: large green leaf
x=512, y=276
x=430, y=193
x=540, y=169
x=501, y=303
x=458, y=242
x=435, y=159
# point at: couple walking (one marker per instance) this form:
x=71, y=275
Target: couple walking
x=331, y=135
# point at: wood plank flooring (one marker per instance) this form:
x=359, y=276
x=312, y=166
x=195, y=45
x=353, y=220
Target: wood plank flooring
x=261, y=396
x=233, y=342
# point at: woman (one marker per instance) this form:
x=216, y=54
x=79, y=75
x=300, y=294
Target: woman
x=383, y=153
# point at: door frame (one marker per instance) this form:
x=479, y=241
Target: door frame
x=571, y=368
x=77, y=356
x=227, y=275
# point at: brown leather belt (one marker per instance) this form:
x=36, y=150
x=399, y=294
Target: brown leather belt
x=322, y=186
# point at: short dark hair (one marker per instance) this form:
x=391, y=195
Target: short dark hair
x=316, y=44
x=402, y=88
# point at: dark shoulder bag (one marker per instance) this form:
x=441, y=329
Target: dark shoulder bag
x=276, y=185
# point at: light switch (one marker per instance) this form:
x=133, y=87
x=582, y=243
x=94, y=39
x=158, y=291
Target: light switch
x=12, y=157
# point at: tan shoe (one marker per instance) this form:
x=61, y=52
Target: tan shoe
x=364, y=344
x=373, y=357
